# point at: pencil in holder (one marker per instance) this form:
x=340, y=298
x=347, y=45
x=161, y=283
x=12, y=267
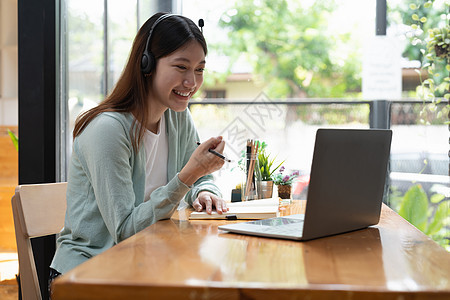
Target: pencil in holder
x=251, y=187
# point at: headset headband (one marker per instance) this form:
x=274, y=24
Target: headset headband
x=148, y=60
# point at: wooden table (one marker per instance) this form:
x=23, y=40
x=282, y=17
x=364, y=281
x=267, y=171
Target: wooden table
x=178, y=259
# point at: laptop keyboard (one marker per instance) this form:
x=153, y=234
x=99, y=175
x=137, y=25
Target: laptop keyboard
x=281, y=226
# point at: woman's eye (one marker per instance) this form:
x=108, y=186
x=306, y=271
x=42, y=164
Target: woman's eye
x=181, y=67
x=200, y=70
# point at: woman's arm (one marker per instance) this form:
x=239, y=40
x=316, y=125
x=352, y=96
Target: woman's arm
x=204, y=192
x=117, y=176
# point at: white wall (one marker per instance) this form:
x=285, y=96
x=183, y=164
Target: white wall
x=8, y=63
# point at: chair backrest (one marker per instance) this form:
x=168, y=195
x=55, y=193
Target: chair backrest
x=38, y=210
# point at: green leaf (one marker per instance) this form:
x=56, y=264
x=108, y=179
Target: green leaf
x=442, y=212
x=436, y=198
x=414, y=207
x=447, y=96
x=14, y=139
x=428, y=4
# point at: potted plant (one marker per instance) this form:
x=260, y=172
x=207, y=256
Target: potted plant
x=267, y=167
x=284, y=183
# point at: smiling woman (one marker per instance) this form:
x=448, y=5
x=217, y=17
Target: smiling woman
x=135, y=155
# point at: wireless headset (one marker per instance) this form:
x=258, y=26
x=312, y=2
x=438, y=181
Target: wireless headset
x=148, y=60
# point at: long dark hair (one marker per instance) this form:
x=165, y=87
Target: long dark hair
x=130, y=93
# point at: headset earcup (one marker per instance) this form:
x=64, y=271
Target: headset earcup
x=147, y=62
x=151, y=62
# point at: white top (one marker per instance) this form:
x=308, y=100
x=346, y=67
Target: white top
x=157, y=149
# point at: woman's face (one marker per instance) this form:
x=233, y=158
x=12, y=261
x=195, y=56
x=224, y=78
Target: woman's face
x=177, y=77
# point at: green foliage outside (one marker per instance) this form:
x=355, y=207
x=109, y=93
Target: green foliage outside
x=431, y=114
x=333, y=114
x=85, y=48
x=429, y=35
x=290, y=48
x=430, y=215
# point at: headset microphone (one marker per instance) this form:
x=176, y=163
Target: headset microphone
x=201, y=23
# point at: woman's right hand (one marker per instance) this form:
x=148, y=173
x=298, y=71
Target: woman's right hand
x=203, y=162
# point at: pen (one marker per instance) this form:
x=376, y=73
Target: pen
x=217, y=154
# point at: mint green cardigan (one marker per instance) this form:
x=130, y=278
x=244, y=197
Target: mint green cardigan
x=106, y=185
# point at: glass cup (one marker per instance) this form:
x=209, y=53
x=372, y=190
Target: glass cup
x=251, y=183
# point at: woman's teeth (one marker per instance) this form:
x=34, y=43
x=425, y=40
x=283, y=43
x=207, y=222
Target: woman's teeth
x=182, y=94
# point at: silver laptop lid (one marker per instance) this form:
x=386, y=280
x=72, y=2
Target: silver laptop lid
x=347, y=180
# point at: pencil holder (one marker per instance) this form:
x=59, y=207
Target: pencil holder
x=251, y=187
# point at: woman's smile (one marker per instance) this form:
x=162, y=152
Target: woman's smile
x=183, y=94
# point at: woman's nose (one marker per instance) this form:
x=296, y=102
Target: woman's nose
x=189, y=81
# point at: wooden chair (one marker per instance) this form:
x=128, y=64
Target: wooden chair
x=38, y=210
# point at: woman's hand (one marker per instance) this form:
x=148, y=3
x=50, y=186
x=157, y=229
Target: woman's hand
x=207, y=200
x=203, y=162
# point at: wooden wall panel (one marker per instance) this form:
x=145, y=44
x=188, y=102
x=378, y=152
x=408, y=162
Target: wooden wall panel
x=8, y=183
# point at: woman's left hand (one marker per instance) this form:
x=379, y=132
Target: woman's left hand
x=207, y=200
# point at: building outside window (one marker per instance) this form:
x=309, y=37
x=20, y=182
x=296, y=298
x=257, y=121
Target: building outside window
x=211, y=94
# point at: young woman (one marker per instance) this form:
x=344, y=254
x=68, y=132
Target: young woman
x=135, y=155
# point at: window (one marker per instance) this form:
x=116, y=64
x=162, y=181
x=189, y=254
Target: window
x=96, y=38
x=215, y=94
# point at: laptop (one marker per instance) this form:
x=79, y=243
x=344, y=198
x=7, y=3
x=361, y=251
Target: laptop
x=347, y=184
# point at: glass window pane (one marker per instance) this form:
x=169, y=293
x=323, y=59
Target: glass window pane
x=85, y=55
x=85, y=46
x=419, y=152
x=146, y=8
x=288, y=129
x=122, y=27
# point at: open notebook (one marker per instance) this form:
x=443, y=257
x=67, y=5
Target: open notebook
x=247, y=210
x=346, y=187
